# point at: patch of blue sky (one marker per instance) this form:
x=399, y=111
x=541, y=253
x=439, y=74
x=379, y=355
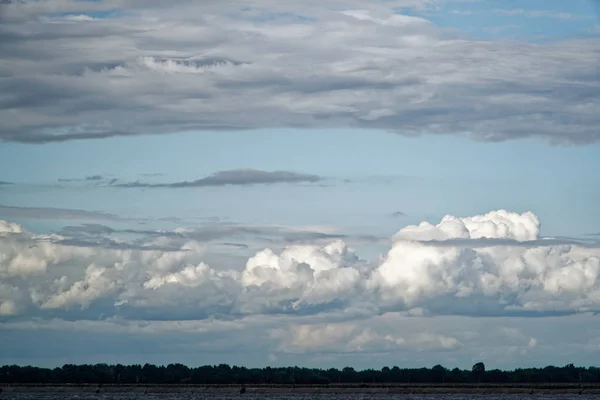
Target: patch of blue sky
x=102, y=14
x=427, y=178
x=531, y=20
x=333, y=153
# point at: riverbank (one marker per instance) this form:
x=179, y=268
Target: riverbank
x=313, y=389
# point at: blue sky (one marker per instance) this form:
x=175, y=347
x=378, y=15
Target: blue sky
x=529, y=20
x=367, y=173
x=411, y=175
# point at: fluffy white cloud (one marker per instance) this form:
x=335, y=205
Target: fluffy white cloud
x=492, y=264
x=8, y=227
x=189, y=276
x=23, y=254
x=57, y=275
x=7, y=308
x=305, y=274
x=153, y=68
x=8, y=296
x=536, y=277
x=499, y=224
x=94, y=285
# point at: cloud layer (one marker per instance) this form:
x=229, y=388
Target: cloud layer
x=75, y=70
x=498, y=267
x=238, y=177
x=53, y=213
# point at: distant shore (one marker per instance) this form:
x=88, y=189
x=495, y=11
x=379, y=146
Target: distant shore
x=542, y=388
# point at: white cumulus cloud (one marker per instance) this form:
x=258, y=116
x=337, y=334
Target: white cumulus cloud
x=491, y=264
x=499, y=224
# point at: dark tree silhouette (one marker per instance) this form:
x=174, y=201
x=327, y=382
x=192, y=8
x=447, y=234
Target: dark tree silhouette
x=225, y=374
x=478, y=371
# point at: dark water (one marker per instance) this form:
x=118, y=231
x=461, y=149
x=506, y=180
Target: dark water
x=228, y=396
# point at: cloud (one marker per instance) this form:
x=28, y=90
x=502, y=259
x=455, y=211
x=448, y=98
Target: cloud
x=95, y=284
x=53, y=213
x=90, y=178
x=265, y=340
x=48, y=276
x=498, y=267
x=8, y=227
x=398, y=214
x=253, y=69
x=239, y=177
x=494, y=225
x=354, y=338
x=214, y=232
x=90, y=229
x=303, y=276
x=5, y=183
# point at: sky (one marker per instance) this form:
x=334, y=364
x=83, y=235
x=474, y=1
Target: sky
x=315, y=183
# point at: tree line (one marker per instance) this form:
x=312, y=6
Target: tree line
x=225, y=374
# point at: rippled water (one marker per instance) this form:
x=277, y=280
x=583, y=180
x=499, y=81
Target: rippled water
x=228, y=396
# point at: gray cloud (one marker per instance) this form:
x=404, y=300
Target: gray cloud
x=5, y=183
x=254, y=68
x=213, y=233
x=152, y=175
x=90, y=178
x=52, y=213
x=107, y=243
x=87, y=229
x=398, y=214
x=321, y=341
x=232, y=177
x=495, y=242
